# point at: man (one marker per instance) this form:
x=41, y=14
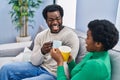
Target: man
x=41, y=65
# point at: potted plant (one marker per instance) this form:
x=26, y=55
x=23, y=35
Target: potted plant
x=23, y=12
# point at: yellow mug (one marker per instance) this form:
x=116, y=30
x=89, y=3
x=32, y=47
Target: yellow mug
x=65, y=50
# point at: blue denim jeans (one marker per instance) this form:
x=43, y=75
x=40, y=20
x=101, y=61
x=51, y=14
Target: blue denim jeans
x=24, y=71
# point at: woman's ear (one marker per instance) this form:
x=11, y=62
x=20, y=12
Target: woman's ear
x=99, y=45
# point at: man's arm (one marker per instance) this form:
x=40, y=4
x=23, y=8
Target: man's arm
x=72, y=40
x=37, y=56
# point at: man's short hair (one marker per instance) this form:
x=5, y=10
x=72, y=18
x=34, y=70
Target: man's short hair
x=52, y=8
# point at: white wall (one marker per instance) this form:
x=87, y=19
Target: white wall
x=75, y=16
x=118, y=20
x=8, y=32
x=88, y=10
x=118, y=17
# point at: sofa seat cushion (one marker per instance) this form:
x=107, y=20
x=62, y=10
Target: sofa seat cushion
x=13, y=49
x=23, y=56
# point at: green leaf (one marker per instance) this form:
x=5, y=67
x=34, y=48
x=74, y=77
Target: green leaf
x=23, y=8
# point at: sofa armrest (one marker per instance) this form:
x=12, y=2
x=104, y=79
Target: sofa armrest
x=13, y=49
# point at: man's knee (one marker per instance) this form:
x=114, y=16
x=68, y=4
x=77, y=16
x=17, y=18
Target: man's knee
x=6, y=67
x=42, y=77
x=47, y=77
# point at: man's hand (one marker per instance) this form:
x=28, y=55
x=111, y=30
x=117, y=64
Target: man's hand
x=46, y=47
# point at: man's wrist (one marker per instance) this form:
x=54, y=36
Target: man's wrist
x=43, y=52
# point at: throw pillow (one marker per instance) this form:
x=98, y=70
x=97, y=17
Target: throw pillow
x=23, y=56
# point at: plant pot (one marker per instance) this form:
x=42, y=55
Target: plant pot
x=23, y=39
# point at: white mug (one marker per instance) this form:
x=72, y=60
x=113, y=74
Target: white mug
x=57, y=43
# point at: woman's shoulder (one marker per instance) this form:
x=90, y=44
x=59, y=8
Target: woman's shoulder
x=96, y=63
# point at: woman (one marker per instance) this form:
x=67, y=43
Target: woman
x=101, y=36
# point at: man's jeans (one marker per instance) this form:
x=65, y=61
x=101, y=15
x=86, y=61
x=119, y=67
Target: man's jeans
x=24, y=71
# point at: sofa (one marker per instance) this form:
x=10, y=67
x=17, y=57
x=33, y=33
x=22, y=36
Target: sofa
x=21, y=52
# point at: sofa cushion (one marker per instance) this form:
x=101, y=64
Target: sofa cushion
x=10, y=52
x=13, y=49
x=115, y=64
x=82, y=49
x=23, y=56
x=41, y=28
x=5, y=60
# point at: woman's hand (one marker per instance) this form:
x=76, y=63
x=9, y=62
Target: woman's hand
x=70, y=58
x=57, y=56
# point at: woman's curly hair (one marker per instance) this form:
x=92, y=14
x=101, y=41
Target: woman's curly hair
x=105, y=32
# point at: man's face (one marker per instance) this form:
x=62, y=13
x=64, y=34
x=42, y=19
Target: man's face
x=54, y=21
